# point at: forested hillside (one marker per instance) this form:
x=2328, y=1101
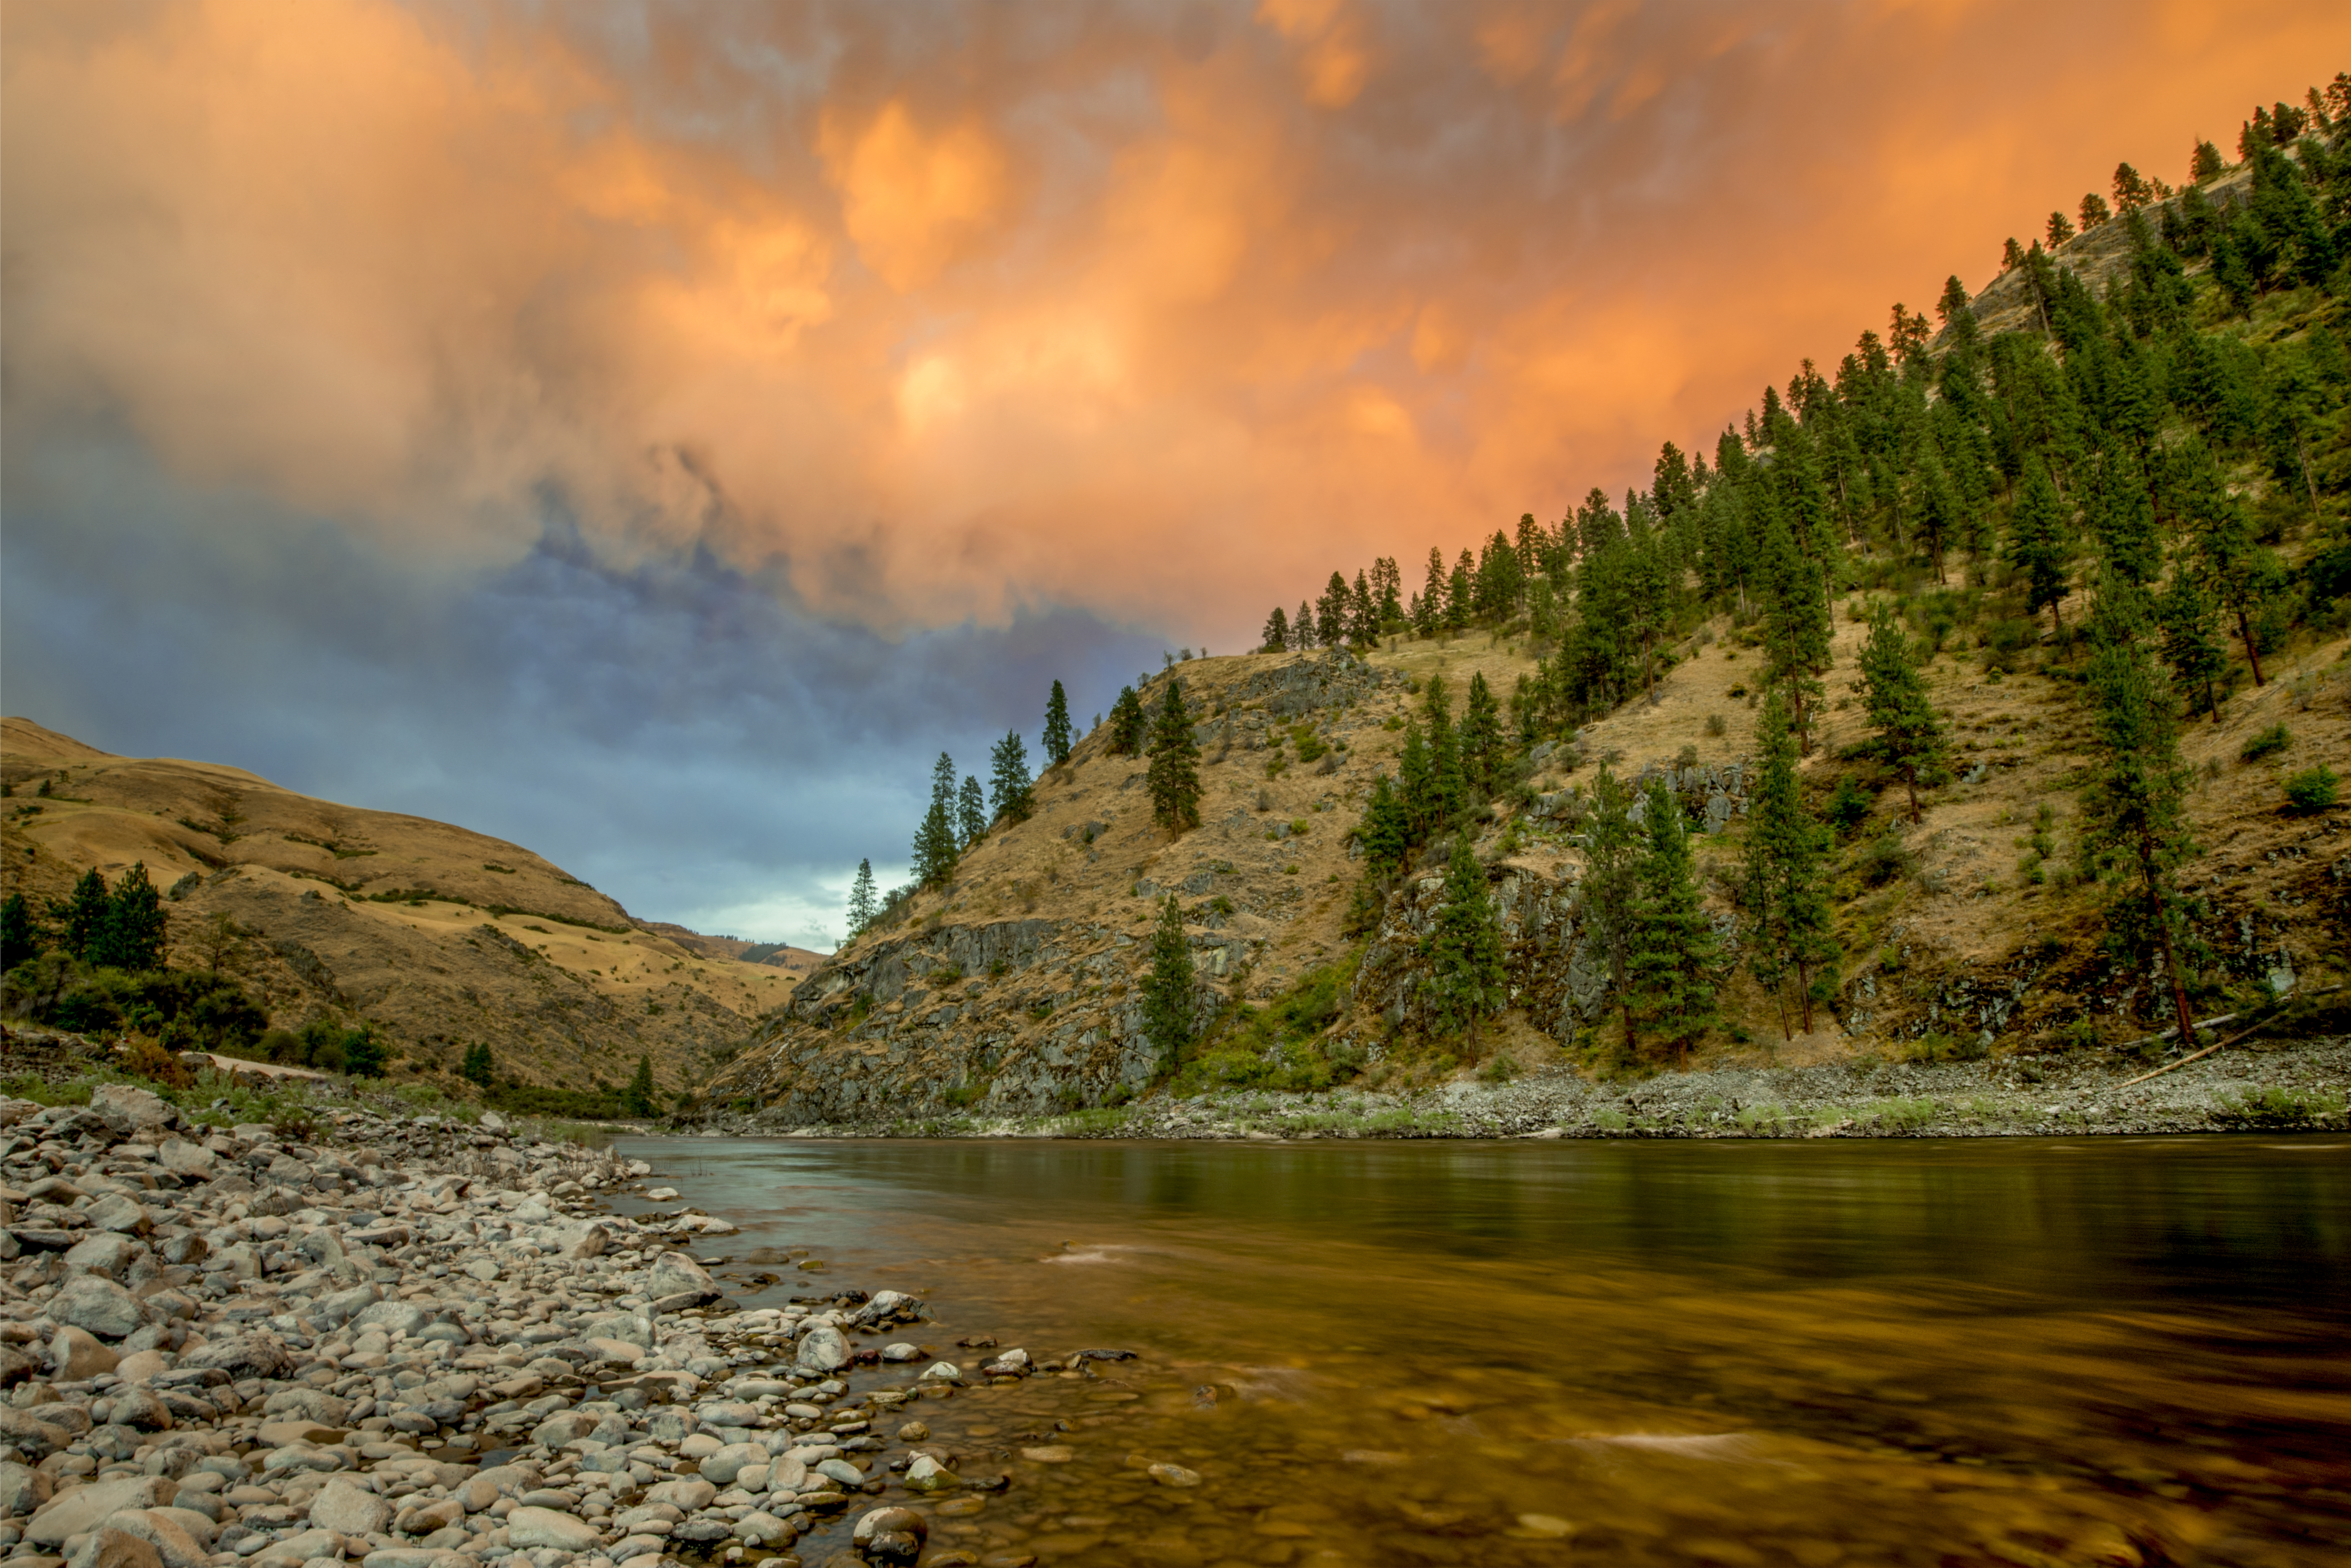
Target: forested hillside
x=1984, y=693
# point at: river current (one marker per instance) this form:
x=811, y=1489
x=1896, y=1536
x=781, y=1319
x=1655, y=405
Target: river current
x=2030, y=1352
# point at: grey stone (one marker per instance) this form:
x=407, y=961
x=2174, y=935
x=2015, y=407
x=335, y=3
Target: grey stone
x=111, y=1548
x=98, y=1304
x=690, y=1496
x=529, y=1527
x=393, y=1317
x=346, y=1510
x=141, y=1409
x=171, y=1540
x=731, y=1461
x=925, y=1474
x=126, y=1108
x=823, y=1349
x=72, y=1513
x=343, y=1306
x=677, y=1273
x=840, y=1471
x=22, y=1488
x=894, y=1535
x=567, y=1427
x=120, y=1214
x=309, y=1404
x=106, y=1252
x=191, y=1160
x=76, y=1356
x=251, y=1356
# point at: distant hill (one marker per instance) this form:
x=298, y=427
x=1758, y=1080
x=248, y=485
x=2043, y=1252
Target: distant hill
x=442, y=937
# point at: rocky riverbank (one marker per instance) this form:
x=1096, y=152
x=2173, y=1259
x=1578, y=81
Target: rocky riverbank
x=420, y=1342
x=2246, y=1087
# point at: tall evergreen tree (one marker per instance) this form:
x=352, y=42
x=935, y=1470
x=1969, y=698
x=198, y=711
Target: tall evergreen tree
x=1128, y=725
x=1612, y=896
x=2038, y=535
x=2189, y=620
x=83, y=915
x=641, y=1098
x=1331, y=613
x=1669, y=965
x=477, y=1067
x=1466, y=980
x=1010, y=790
x=1797, y=631
x=2134, y=817
x=971, y=812
x=131, y=935
x=1167, y=988
x=937, y=845
x=1432, y=595
x=1302, y=627
x=1786, y=854
x=2233, y=565
x=1385, y=832
x=1449, y=794
x=17, y=940
x=1057, y=736
x=1277, y=632
x=1417, y=785
x=1175, y=774
x=861, y=906
x=1481, y=738
x=1910, y=733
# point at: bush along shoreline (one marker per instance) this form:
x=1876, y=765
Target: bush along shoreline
x=2252, y=1085
x=424, y=1341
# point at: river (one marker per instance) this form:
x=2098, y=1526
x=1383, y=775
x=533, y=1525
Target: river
x=1813, y=1353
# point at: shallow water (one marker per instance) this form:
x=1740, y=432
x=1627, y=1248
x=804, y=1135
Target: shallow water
x=2032, y=1352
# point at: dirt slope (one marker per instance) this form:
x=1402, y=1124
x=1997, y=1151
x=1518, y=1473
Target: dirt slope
x=1015, y=991
x=441, y=936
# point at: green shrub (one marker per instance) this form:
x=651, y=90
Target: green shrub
x=2268, y=743
x=1849, y=808
x=2313, y=789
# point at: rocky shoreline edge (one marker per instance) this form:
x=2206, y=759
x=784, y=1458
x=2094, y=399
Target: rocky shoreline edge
x=424, y=1342
x=2250, y=1087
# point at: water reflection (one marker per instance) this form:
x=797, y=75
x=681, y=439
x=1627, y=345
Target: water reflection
x=1916, y=1352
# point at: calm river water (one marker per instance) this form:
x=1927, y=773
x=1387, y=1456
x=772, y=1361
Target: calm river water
x=2030, y=1352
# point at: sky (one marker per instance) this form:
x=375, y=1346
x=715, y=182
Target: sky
x=650, y=433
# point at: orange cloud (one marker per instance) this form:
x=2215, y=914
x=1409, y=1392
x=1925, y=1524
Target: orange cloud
x=1163, y=316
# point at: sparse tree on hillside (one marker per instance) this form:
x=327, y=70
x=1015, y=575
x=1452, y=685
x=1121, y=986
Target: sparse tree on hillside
x=1175, y=774
x=1128, y=725
x=1057, y=727
x=1786, y=892
x=1331, y=613
x=18, y=940
x=2131, y=189
x=1302, y=627
x=1611, y=897
x=2189, y=620
x=2205, y=162
x=971, y=812
x=477, y=1067
x=1481, y=738
x=83, y=914
x=1167, y=988
x=2011, y=255
x=1449, y=794
x=2233, y=567
x=2134, y=817
x=640, y=1098
x=1954, y=298
x=1432, y=595
x=1385, y=832
x=1010, y=792
x=937, y=846
x=2060, y=229
x=1669, y=967
x=131, y=935
x=1910, y=734
x=1797, y=631
x=220, y=942
x=2038, y=535
x=1466, y=980
x=1277, y=632
x=862, y=906
x=2093, y=210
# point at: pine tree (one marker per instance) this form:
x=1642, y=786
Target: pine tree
x=2234, y=568
x=937, y=846
x=638, y=1099
x=1175, y=774
x=1797, y=630
x=1910, y=735
x=2093, y=210
x=1466, y=980
x=2060, y=229
x=1010, y=792
x=1277, y=632
x=1669, y=967
x=1612, y=896
x=1301, y=628
x=1432, y=595
x=2188, y=619
x=1128, y=726
x=2038, y=533
x=1786, y=850
x=971, y=813
x=1449, y=794
x=1331, y=613
x=84, y=914
x=862, y=906
x=2205, y=162
x=130, y=936
x=1167, y=989
x=2134, y=817
x=1481, y=738
x=477, y=1067
x=1385, y=831
x=1416, y=785
x=17, y=940
x=1057, y=727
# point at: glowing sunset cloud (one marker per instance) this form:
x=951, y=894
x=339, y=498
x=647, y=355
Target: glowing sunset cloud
x=936, y=310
